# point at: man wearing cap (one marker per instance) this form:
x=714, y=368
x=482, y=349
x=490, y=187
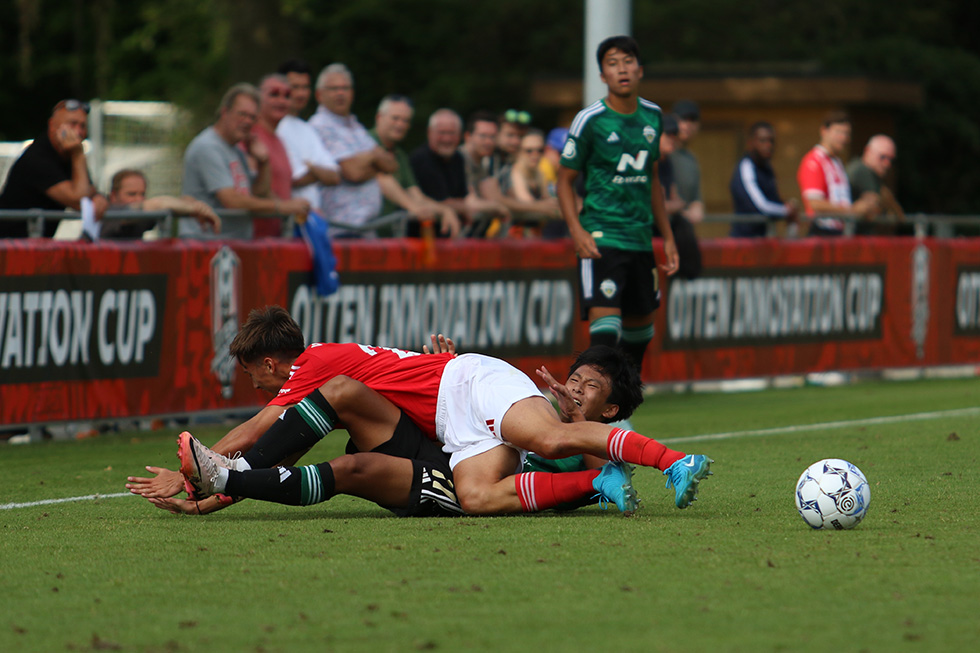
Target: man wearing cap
x=52, y=173
x=687, y=171
x=753, y=185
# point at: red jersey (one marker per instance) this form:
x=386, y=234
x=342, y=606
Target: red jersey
x=405, y=378
x=280, y=179
x=821, y=176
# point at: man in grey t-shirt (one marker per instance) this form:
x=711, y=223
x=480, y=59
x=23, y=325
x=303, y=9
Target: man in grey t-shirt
x=217, y=172
x=687, y=172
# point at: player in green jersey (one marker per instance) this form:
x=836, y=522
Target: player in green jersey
x=615, y=143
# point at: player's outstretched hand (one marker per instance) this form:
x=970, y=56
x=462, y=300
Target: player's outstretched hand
x=166, y=483
x=440, y=345
x=568, y=409
x=187, y=507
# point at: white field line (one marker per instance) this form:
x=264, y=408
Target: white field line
x=47, y=502
x=798, y=428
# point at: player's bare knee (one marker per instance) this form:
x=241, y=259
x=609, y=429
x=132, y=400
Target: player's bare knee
x=475, y=500
x=339, y=391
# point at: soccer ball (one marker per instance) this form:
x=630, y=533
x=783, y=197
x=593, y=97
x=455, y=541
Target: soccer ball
x=832, y=493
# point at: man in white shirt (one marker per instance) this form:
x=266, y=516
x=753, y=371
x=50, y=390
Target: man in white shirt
x=313, y=165
x=356, y=200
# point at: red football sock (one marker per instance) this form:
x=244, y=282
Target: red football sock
x=638, y=449
x=542, y=490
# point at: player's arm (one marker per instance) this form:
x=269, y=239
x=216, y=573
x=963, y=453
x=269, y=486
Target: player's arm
x=585, y=246
x=71, y=191
x=671, y=258
x=167, y=483
x=242, y=437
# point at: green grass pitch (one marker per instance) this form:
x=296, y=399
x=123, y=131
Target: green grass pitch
x=738, y=571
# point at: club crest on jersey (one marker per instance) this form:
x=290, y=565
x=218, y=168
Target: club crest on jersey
x=608, y=288
x=568, y=151
x=649, y=133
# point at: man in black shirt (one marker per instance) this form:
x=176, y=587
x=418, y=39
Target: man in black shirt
x=52, y=173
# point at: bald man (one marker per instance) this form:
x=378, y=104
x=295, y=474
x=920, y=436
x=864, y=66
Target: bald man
x=867, y=174
x=52, y=173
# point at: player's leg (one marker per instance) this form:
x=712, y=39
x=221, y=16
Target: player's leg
x=368, y=417
x=486, y=485
x=640, y=298
x=385, y=480
x=531, y=424
x=432, y=490
x=408, y=473
x=637, y=334
x=599, y=297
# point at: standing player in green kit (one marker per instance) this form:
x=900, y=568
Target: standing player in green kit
x=615, y=143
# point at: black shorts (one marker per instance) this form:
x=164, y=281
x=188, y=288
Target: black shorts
x=433, y=493
x=621, y=279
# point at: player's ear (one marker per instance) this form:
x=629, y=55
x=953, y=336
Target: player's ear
x=610, y=411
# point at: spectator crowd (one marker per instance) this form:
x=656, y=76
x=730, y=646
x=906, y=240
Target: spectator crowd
x=490, y=175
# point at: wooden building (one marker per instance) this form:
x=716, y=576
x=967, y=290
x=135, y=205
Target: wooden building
x=794, y=103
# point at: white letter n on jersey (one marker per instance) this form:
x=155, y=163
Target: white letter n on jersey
x=638, y=163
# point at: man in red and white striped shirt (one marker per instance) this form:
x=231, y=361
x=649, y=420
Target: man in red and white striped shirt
x=823, y=182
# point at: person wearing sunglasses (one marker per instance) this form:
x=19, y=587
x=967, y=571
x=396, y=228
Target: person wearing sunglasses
x=867, y=175
x=274, y=100
x=52, y=173
x=527, y=186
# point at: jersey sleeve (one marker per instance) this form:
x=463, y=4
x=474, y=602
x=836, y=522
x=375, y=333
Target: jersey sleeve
x=307, y=375
x=811, y=178
x=577, y=147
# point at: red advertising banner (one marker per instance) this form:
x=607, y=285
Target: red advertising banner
x=100, y=331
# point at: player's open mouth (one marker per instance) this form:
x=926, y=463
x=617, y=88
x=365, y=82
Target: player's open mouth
x=577, y=402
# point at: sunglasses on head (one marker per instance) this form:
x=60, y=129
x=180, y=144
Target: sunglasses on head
x=519, y=117
x=73, y=105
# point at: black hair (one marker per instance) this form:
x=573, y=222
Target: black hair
x=625, y=44
x=836, y=118
x=295, y=66
x=479, y=116
x=268, y=331
x=626, y=387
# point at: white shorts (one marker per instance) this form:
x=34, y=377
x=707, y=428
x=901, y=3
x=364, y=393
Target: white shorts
x=474, y=394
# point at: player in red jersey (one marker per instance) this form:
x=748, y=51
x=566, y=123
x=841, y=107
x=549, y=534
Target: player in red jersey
x=823, y=182
x=481, y=403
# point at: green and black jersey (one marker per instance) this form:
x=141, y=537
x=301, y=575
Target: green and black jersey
x=616, y=153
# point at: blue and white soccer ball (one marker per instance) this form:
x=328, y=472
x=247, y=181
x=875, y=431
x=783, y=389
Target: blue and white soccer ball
x=832, y=493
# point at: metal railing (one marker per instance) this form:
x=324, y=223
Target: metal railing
x=940, y=226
